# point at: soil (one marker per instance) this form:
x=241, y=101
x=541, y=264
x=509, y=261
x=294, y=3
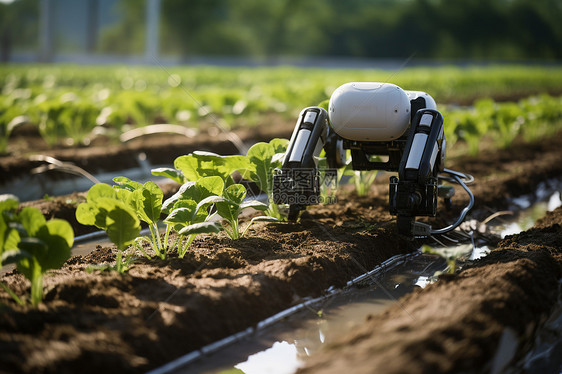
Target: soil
x=162, y=309
x=478, y=320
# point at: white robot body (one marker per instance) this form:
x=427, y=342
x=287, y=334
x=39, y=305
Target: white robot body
x=429, y=102
x=369, y=111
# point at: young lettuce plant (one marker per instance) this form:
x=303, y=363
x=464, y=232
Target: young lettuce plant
x=361, y=179
x=187, y=215
x=34, y=244
x=231, y=204
x=146, y=201
x=262, y=158
x=104, y=209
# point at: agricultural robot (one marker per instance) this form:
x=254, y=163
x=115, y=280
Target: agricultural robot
x=374, y=120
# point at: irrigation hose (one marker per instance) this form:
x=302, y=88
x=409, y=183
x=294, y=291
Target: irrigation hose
x=183, y=361
x=457, y=177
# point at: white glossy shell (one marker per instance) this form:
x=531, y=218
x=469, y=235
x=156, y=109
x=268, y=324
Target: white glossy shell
x=369, y=111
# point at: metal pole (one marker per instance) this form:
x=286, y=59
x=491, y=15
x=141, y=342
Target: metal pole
x=45, y=31
x=152, y=30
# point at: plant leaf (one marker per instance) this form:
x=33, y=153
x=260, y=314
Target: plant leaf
x=255, y=204
x=126, y=183
x=206, y=164
x=212, y=164
x=235, y=193
x=12, y=238
x=203, y=204
x=260, y=155
x=8, y=202
x=264, y=219
x=100, y=190
x=229, y=208
x=13, y=256
x=32, y=219
x=36, y=249
x=182, y=217
x=210, y=186
x=188, y=166
x=62, y=228
x=173, y=174
x=279, y=145
x=128, y=197
x=236, y=162
x=201, y=228
x=57, y=234
x=122, y=227
x=187, y=191
x=149, y=202
x=3, y=230
x=89, y=214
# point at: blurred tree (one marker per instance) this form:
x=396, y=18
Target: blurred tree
x=127, y=36
x=18, y=27
x=537, y=28
x=460, y=29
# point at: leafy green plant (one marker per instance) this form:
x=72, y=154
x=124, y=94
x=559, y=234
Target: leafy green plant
x=34, y=244
x=67, y=117
x=451, y=254
x=231, y=204
x=104, y=209
x=262, y=158
x=146, y=201
x=258, y=165
x=187, y=211
x=361, y=179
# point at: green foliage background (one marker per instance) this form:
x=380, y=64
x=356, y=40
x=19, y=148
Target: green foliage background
x=443, y=29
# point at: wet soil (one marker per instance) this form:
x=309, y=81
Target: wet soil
x=161, y=309
x=479, y=320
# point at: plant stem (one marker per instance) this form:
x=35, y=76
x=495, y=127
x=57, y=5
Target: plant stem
x=235, y=229
x=36, y=286
x=190, y=239
x=119, y=261
x=139, y=247
x=156, y=241
x=273, y=209
x=168, y=230
x=12, y=294
x=246, y=229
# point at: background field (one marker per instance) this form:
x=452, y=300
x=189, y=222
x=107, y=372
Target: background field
x=71, y=105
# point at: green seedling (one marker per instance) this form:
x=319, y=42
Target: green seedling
x=186, y=218
x=104, y=209
x=146, y=201
x=262, y=159
x=34, y=244
x=451, y=254
x=188, y=215
x=361, y=179
x=231, y=204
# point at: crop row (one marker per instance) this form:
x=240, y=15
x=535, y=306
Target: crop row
x=73, y=104
x=531, y=118
x=207, y=190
